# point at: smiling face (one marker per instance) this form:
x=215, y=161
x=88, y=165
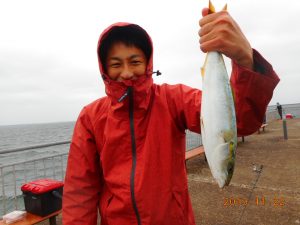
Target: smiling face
x=125, y=62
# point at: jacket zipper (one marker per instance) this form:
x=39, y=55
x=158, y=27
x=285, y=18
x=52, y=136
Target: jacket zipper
x=133, y=147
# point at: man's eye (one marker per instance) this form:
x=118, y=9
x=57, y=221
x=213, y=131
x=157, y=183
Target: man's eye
x=115, y=65
x=136, y=62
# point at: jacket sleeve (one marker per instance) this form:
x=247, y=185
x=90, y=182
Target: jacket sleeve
x=184, y=105
x=83, y=177
x=253, y=91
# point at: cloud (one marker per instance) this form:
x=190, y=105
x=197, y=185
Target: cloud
x=48, y=62
x=37, y=88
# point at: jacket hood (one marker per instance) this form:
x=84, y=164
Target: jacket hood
x=106, y=32
x=116, y=89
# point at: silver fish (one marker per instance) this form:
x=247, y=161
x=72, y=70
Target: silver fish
x=218, y=120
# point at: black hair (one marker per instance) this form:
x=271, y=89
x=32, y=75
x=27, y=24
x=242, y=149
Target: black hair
x=130, y=35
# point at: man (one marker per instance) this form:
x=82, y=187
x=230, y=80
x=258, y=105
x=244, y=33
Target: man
x=127, y=156
x=279, y=109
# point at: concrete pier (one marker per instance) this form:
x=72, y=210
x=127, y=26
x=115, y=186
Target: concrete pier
x=265, y=188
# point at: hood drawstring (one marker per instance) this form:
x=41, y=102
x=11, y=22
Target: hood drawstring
x=158, y=73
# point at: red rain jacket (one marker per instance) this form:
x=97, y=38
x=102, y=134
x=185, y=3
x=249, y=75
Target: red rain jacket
x=128, y=158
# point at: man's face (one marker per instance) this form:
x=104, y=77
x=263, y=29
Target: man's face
x=125, y=62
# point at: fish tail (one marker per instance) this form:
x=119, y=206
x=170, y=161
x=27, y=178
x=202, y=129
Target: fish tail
x=212, y=8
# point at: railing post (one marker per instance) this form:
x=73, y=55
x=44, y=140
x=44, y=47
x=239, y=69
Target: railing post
x=53, y=166
x=3, y=190
x=62, y=167
x=15, y=187
x=25, y=173
x=285, y=134
x=44, y=167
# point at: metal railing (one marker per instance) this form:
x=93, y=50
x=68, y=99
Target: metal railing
x=14, y=150
x=193, y=140
x=14, y=175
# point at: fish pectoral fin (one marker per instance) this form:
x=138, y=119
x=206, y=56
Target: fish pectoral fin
x=227, y=135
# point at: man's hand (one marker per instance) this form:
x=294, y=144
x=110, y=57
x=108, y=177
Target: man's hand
x=219, y=32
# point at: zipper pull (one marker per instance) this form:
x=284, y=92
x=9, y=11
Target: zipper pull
x=124, y=95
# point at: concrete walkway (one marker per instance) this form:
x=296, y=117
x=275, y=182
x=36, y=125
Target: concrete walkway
x=265, y=189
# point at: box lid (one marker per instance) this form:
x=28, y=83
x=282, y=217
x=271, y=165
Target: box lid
x=41, y=186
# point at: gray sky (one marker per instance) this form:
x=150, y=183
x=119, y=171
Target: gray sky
x=48, y=61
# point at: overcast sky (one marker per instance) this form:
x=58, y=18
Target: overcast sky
x=48, y=61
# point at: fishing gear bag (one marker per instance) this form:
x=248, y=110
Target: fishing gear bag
x=43, y=197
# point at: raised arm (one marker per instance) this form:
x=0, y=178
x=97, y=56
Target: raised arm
x=253, y=79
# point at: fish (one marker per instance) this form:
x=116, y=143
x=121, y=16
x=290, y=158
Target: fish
x=217, y=117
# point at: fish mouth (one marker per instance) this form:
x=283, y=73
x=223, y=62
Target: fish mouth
x=230, y=165
x=230, y=169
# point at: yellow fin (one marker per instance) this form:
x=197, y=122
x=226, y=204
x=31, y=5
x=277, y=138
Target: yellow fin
x=228, y=135
x=232, y=148
x=232, y=92
x=202, y=72
x=211, y=8
x=203, y=67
